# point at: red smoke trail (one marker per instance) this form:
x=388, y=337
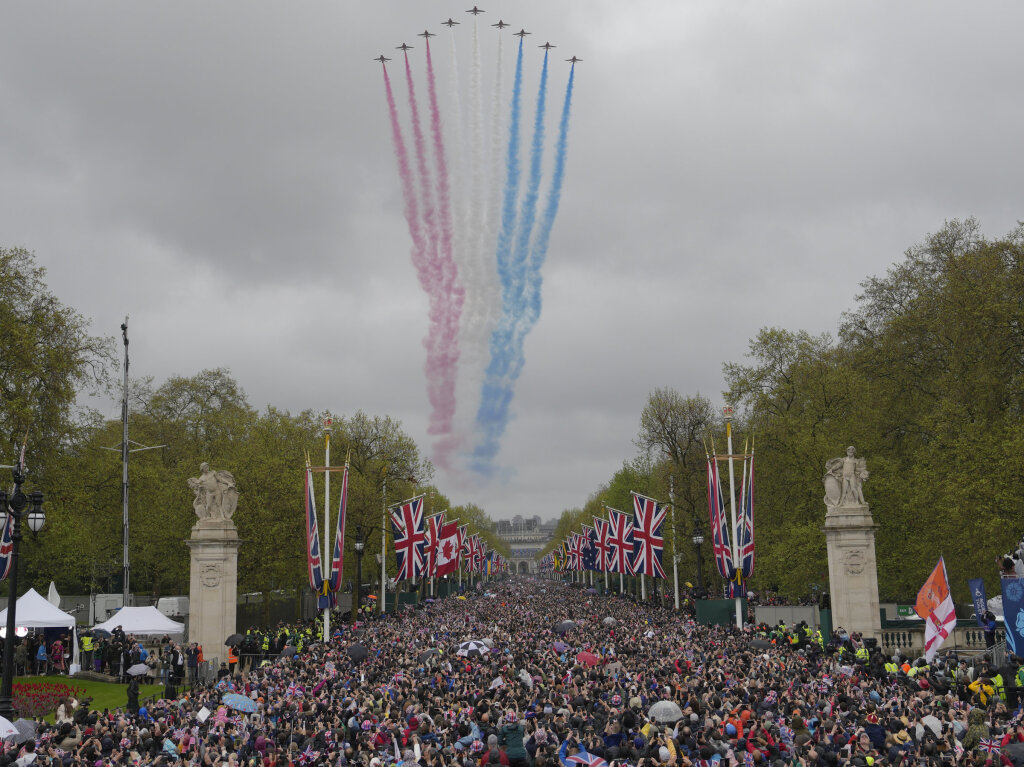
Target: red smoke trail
x=452, y=288
x=412, y=216
x=442, y=352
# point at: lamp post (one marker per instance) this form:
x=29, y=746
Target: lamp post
x=360, y=545
x=18, y=507
x=698, y=540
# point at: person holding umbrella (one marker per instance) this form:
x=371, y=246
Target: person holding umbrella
x=133, y=694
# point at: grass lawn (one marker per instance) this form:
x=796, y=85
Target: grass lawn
x=104, y=694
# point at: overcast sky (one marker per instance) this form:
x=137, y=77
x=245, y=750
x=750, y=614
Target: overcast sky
x=223, y=173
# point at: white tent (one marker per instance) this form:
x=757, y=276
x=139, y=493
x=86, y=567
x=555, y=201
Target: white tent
x=34, y=611
x=141, y=620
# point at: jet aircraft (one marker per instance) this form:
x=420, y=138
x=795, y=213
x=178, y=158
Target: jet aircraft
x=403, y=47
x=500, y=25
x=574, y=59
x=382, y=58
x=450, y=23
x=547, y=46
x=426, y=34
x=522, y=33
x=474, y=10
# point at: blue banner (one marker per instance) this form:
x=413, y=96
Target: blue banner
x=1013, y=613
x=977, y=589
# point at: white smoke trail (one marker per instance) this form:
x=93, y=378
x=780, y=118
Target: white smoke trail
x=492, y=286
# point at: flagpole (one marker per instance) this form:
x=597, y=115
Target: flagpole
x=383, y=545
x=328, y=552
x=675, y=539
x=727, y=411
x=643, y=588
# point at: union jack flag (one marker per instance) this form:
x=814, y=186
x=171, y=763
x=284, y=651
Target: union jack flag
x=407, y=523
x=601, y=543
x=338, y=555
x=479, y=551
x=309, y=755
x=433, y=530
x=719, y=524
x=313, y=559
x=587, y=759
x=294, y=690
x=464, y=550
x=989, y=745
x=576, y=551
x=748, y=759
x=648, y=518
x=745, y=524
x=6, y=547
x=620, y=542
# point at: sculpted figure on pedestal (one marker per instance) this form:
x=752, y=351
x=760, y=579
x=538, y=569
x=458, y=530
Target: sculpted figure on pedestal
x=216, y=494
x=843, y=479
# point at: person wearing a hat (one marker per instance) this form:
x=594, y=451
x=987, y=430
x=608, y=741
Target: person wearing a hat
x=511, y=735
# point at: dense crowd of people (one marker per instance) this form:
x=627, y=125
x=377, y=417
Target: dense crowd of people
x=535, y=673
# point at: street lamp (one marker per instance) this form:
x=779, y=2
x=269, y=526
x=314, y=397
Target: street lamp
x=698, y=540
x=360, y=545
x=18, y=507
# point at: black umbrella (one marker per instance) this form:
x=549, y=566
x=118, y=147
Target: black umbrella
x=289, y=651
x=760, y=644
x=26, y=730
x=234, y=640
x=102, y=633
x=358, y=652
x=427, y=655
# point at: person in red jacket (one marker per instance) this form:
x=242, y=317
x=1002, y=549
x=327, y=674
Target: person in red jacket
x=493, y=755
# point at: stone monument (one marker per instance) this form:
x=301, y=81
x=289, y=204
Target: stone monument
x=850, y=537
x=213, y=592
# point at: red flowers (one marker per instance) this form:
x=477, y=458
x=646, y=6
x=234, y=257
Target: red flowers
x=34, y=699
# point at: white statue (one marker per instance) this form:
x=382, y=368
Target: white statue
x=843, y=479
x=216, y=494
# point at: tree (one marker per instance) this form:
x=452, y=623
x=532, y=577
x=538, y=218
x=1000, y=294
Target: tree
x=797, y=398
x=678, y=429
x=49, y=357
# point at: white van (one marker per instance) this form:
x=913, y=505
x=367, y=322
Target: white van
x=173, y=607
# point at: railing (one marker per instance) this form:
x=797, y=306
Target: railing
x=910, y=641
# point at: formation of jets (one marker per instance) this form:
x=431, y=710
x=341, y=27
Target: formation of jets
x=451, y=23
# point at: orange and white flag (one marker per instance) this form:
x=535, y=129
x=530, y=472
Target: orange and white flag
x=935, y=605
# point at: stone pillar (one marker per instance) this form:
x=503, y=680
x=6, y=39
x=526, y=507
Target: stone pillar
x=850, y=537
x=213, y=592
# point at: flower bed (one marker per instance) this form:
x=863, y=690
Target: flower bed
x=32, y=699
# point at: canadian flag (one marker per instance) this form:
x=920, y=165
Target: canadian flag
x=447, y=556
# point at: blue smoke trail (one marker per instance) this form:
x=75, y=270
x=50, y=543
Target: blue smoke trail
x=511, y=194
x=491, y=414
x=540, y=244
x=529, y=207
x=499, y=383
